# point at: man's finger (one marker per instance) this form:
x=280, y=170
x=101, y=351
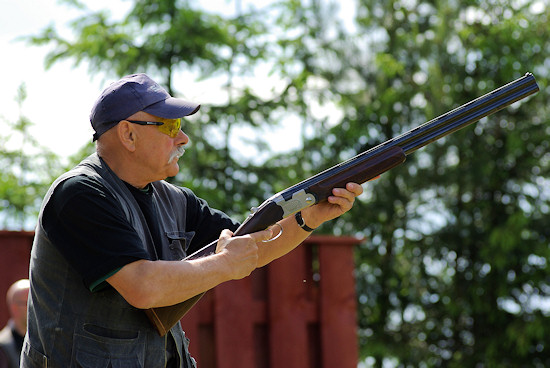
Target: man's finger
x=226, y=233
x=355, y=188
x=263, y=235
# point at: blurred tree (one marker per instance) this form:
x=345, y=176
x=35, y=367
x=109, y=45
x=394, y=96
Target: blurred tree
x=455, y=265
x=27, y=171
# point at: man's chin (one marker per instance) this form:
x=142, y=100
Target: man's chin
x=174, y=168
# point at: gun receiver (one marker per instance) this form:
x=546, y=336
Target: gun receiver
x=359, y=169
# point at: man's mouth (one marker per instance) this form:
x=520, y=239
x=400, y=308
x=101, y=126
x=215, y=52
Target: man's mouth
x=178, y=152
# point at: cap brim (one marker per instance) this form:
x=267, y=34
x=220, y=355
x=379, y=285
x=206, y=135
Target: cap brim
x=172, y=108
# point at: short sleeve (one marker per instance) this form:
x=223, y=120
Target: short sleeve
x=86, y=224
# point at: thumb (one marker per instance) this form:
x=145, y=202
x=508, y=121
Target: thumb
x=226, y=234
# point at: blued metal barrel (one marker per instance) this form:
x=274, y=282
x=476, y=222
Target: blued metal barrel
x=437, y=128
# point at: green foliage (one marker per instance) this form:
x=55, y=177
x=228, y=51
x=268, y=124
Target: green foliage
x=27, y=171
x=456, y=248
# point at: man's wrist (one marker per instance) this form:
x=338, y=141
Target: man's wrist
x=301, y=222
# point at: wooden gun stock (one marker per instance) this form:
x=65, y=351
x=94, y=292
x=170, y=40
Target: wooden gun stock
x=358, y=169
x=164, y=318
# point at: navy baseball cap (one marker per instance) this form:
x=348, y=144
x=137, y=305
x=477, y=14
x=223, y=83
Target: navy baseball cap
x=133, y=93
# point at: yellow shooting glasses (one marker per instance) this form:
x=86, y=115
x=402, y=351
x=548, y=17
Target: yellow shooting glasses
x=170, y=127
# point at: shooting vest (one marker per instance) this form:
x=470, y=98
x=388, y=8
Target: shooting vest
x=70, y=326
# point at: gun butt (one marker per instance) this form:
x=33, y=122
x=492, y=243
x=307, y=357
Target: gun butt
x=164, y=318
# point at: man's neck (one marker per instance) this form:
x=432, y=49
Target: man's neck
x=125, y=172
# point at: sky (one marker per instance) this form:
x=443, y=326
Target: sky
x=59, y=99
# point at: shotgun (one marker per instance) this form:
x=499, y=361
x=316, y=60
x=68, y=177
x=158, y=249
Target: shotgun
x=359, y=169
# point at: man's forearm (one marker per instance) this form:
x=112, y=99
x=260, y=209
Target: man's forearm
x=148, y=284
x=291, y=237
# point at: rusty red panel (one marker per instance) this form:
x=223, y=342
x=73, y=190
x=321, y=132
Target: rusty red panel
x=338, y=306
x=290, y=310
x=234, y=308
x=15, y=252
x=198, y=325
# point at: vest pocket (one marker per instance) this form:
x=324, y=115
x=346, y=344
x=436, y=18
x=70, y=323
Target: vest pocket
x=32, y=357
x=100, y=347
x=110, y=333
x=178, y=242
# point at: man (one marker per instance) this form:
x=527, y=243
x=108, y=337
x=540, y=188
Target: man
x=112, y=234
x=11, y=337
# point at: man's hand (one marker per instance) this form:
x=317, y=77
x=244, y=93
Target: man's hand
x=240, y=253
x=339, y=203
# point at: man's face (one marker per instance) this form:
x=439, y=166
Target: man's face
x=18, y=308
x=157, y=152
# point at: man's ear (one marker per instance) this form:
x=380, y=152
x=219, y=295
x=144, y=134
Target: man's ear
x=127, y=135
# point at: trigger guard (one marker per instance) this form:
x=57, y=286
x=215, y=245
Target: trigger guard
x=276, y=236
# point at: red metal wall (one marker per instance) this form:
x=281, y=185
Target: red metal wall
x=15, y=253
x=297, y=312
